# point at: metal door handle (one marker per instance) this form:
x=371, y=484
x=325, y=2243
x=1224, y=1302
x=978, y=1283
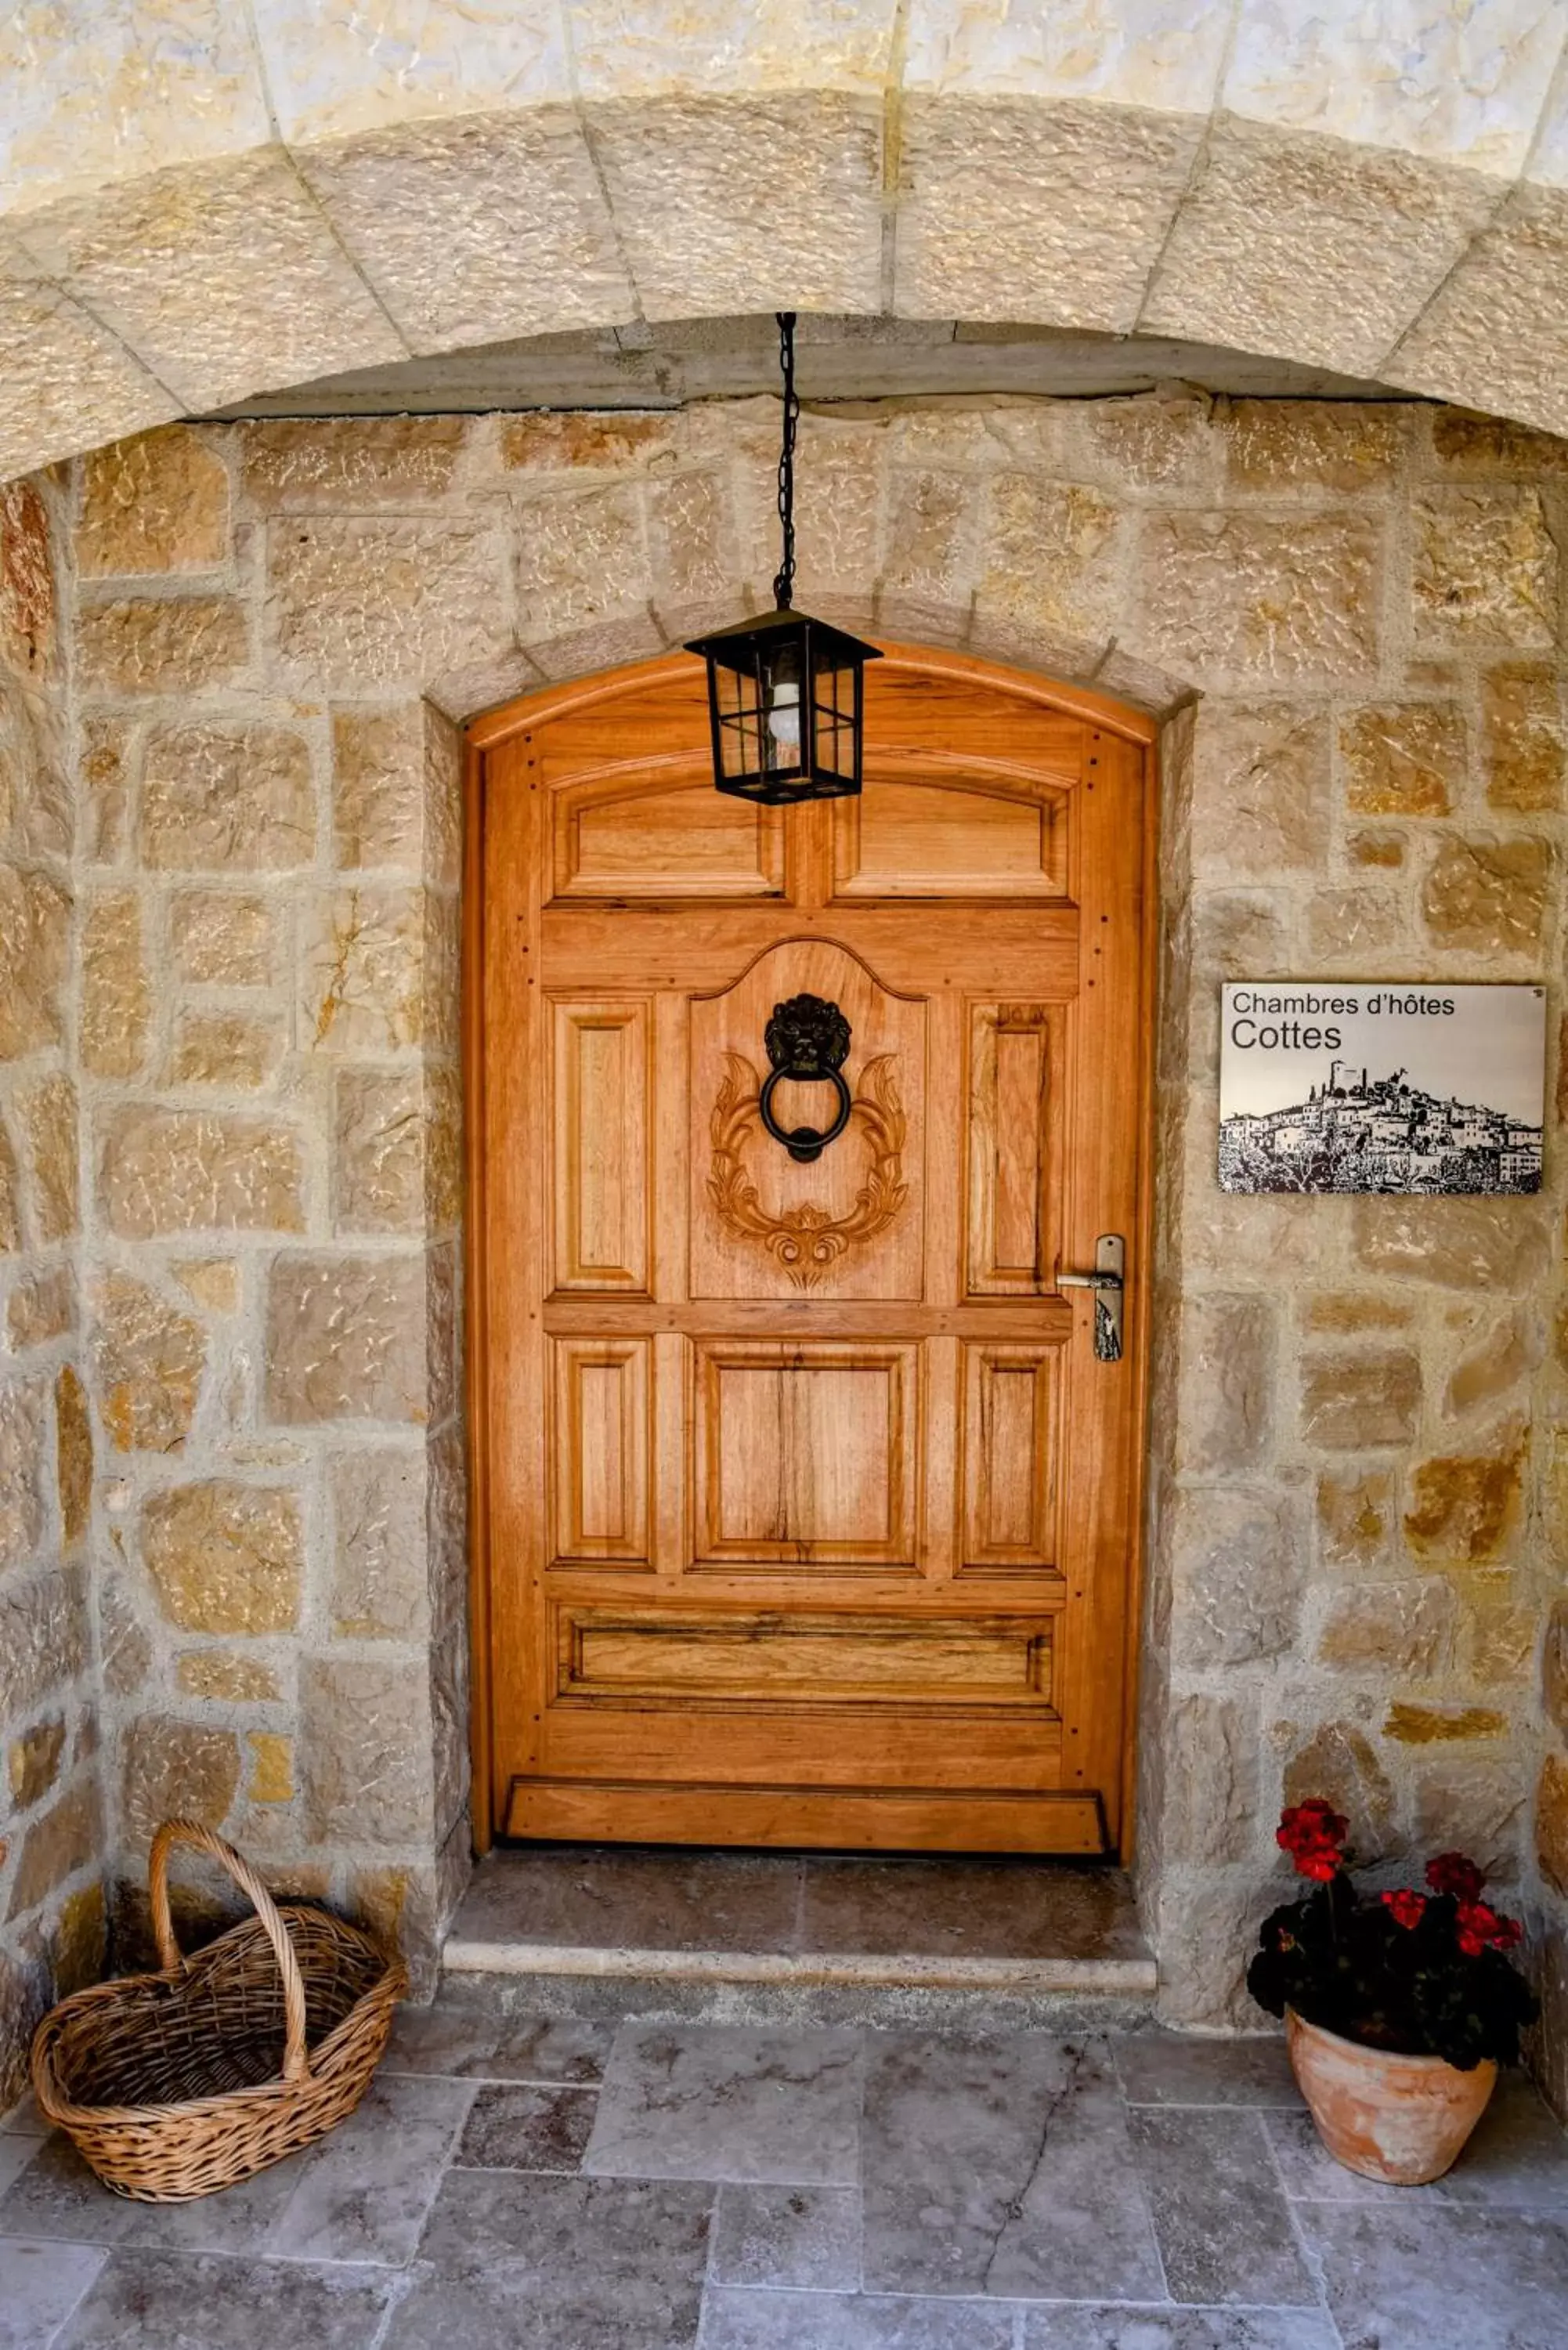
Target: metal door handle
x=1108, y=1282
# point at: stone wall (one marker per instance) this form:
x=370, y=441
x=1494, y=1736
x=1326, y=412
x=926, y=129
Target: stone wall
x=1349, y=616
x=51, y=1808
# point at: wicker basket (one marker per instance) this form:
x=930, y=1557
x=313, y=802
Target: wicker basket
x=176, y=2084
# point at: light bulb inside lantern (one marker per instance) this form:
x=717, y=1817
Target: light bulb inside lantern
x=783, y=721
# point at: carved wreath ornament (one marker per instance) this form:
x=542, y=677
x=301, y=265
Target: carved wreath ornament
x=807, y=1240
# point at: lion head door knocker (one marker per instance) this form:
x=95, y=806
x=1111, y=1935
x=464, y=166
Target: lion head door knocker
x=807, y=1041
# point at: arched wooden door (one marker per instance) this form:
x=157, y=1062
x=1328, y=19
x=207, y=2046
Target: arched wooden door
x=808, y=1509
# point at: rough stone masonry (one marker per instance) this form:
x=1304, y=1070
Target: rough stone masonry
x=230, y=823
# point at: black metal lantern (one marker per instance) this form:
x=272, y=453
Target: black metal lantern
x=785, y=692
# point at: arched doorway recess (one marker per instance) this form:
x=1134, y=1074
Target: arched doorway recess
x=806, y=1485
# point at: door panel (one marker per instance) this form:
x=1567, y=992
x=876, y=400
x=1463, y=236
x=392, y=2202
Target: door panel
x=809, y=1515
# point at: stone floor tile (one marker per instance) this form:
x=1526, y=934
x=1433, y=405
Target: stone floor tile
x=516, y=2127
x=56, y=2196
x=25, y=2120
x=1412, y=2275
x=1002, y=2166
x=969, y=1909
x=40, y=2284
x=701, y=2100
x=1517, y=2159
x=1223, y=2224
x=364, y=2192
x=1063, y=2328
x=600, y=1896
x=804, y=2237
x=15, y=2154
x=148, y=2299
x=1172, y=2068
x=840, y=2321
x=531, y=2263
x=468, y=2045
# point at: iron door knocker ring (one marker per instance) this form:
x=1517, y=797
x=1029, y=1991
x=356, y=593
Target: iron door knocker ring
x=807, y=1040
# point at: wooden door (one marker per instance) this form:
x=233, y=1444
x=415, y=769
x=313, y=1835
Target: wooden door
x=808, y=1515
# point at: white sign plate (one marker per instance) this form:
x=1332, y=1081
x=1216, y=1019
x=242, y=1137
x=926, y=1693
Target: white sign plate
x=1410, y=1088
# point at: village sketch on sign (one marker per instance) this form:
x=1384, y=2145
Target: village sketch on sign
x=1426, y=1089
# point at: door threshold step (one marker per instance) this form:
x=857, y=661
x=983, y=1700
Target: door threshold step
x=744, y=1936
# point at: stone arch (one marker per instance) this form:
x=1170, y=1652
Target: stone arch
x=184, y=224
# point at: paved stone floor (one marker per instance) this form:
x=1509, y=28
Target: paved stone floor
x=514, y=2182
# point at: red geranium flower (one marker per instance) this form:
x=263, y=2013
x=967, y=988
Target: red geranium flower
x=1477, y=1928
x=1453, y=1873
x=1313, y=1833
x=1406, y=1908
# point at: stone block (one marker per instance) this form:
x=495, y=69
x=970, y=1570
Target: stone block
x=1381, y=852
x=1359, y=926
x=1403, y=758
x=226, y=799
x=1434, y=1725
x=1506, y=1354
x=29, y=635
x=224, y=1676
x=381, y=1568
x=148, y=1360
x=1232, y=597
x=1337, y=1763
x=1492, y=1244
x=172, y=645
x=73, y=1455
x=1466, y=1508
x=221, y=938
x=211, y=1282
x=42, y=1307
x=1237, y=1565
x=1208, y=1930
x=603, y=440
x=224, y=1557
x=1552, y=1822
x=1356, y=1513
x=397, y=1152
x=1212, y=1782
x=10, y=1195
x=67, y=1838
x=157, y=503
x=1523, y=743
x=174, y=1769
x=1280, y=446
x=929, y=533
x=298, y=466
x=106, y=775
x=1502, y=1631
x=270, y=1776
x=1470, y=447
x=1554, y=1668
x=353, y=604
x=35, y=921
x=1390, y=1629
x=691, y=537
x=33, y=1763
x=161, y=1171
x=1473, y=1804
x=23, y=1459
x=1261, y=807
x=346, y=1339
x=1352, y=1314
x=1050, y=549
x=225, y=1049
x=78, y=1944
x=378, y=787
x=1488, y=897
x=48, y=1115
x=116, y=991
x=47, y=1638
x=364, y=1740
x=1155, y=442
x=27, y=1993
x=1227, y=1367
x=1360, y=1402
x=377, y=973
x=1485, y=571
x=123, y=1644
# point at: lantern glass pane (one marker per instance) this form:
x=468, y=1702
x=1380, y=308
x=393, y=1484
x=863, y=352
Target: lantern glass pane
x=835, y=706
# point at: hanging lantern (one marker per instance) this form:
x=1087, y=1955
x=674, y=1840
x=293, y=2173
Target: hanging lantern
x=786, y=693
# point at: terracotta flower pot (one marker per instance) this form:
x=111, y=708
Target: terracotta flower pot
x=1403, y=2119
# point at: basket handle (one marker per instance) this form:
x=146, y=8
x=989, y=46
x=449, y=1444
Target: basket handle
x=295, y=2065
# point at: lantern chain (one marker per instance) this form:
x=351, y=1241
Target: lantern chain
x=784, y=585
